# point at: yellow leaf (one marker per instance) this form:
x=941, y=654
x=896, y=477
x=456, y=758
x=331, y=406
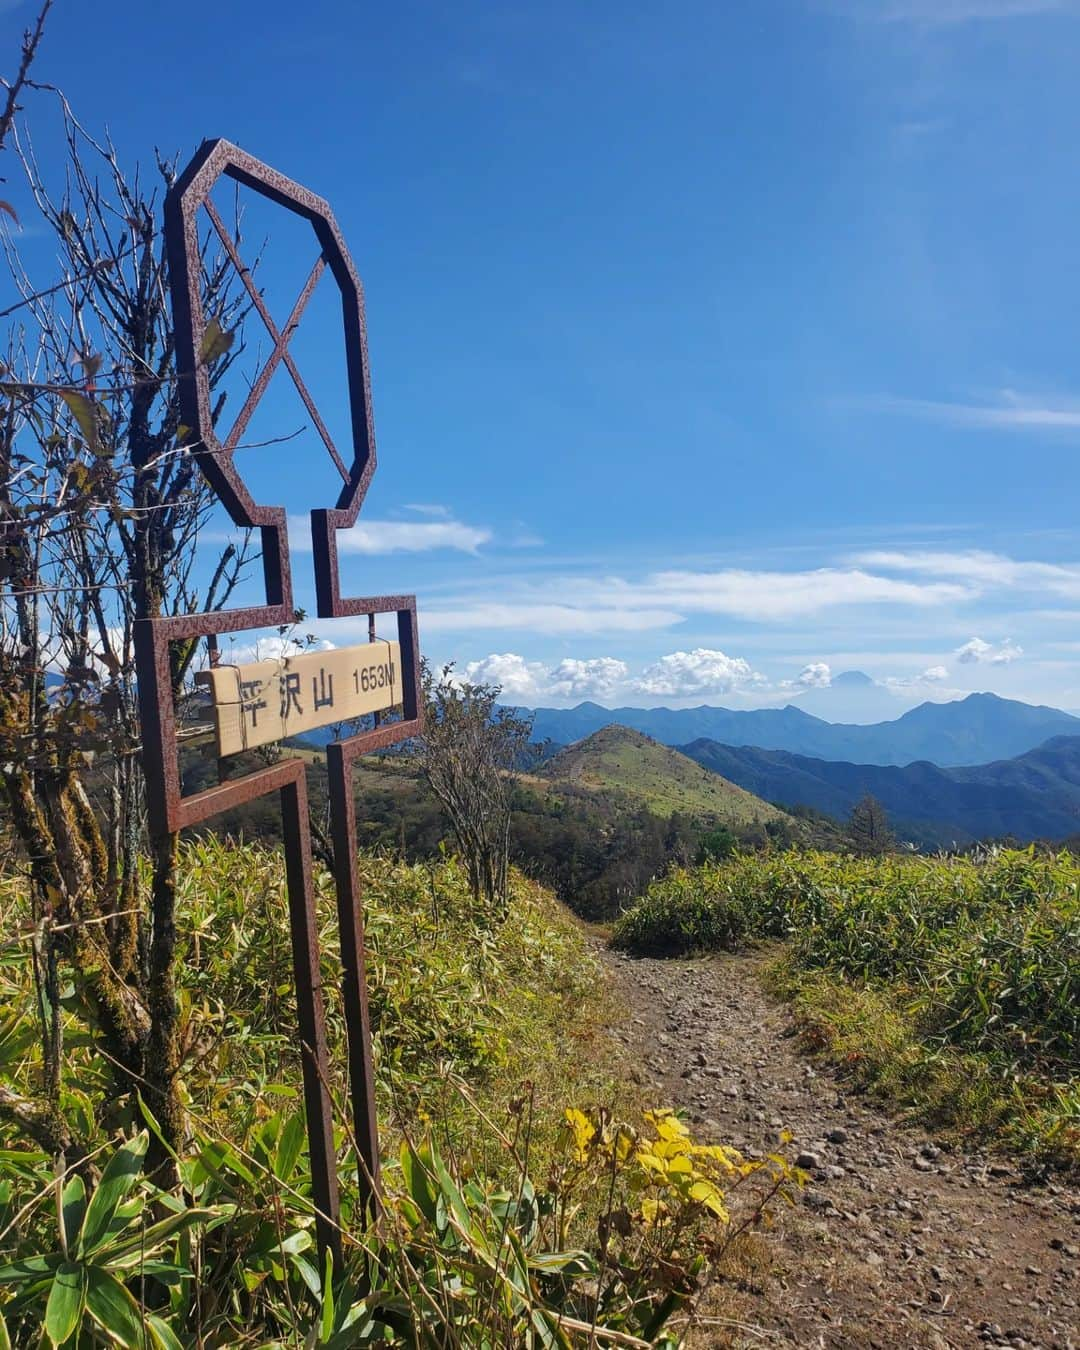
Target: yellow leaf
x=83, y=412
x=216, y=342
x=707, y=1195
x=651, y=1162
x=652, y=1211
x=584, y=1131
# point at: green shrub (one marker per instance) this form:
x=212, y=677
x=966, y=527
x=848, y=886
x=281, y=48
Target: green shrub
x=951, y=985
x=989, y=948
x=501, y=1226
x=456, y=1259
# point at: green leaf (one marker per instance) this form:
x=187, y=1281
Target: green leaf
x=114, y=1309
x=418, y=1180
x=216, y=342
x=67, y=1298
x=151, y=1238
x=326, y=1330
x=5, y=1339
x=225, y=1165
x=162, y=1334
x=308, y=1274
x=289, y=1146
x=72, y=1208
x=30, y=1268
x=116, y=1180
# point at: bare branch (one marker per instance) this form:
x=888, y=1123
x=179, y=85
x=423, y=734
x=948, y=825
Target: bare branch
x=31, y=39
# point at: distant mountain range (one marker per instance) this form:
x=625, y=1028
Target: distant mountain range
x=1035, y=795
x=975, y=730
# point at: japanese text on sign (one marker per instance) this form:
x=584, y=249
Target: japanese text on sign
x=270, y=700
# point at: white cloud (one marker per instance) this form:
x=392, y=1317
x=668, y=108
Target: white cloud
x=662, y=599
x=933, y=678
x=682, y=674
x=270, y=647
x=570, y=678
x=978, y=652
x=773, y=596
x=816, y=675
x=972, y=652
x=1010, y=411
x=547, y=619
x=396, y=536
x=594, y=678
x=981, y=569
x=516, y=677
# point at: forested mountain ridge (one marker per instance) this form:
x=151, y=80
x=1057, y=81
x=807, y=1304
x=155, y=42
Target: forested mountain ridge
x=1031, y=796
x=973, y=730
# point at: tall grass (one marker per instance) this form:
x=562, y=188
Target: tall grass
x=978, y=957
x=517, y=1209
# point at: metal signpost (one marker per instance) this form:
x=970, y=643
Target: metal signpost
x=266, y=701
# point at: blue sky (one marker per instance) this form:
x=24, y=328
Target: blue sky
x=716, y=348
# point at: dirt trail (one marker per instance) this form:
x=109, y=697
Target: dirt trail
x=895, y=1243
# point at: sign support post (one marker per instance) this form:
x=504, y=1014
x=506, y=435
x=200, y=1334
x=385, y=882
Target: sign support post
x=238, y=715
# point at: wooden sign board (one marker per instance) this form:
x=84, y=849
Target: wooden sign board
x=268, y=701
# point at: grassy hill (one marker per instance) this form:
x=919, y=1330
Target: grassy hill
x=618, y=759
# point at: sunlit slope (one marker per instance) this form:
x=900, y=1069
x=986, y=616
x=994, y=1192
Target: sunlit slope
x=617, y=759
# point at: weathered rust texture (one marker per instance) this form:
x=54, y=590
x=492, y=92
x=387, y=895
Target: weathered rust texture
x=169, y=809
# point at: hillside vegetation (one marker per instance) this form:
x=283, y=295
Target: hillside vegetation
x=1034, y=796
x=596, y=835
x=620, y=759
x=951, y=982
x=492, y=1069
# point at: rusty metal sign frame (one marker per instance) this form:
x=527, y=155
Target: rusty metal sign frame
x=171, y=811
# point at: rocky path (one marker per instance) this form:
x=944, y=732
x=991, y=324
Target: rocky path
x=896, y=1243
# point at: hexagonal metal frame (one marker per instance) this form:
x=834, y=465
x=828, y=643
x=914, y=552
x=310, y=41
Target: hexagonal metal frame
x=171, y=811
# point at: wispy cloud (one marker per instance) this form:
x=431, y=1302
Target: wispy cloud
x=396, y=536
x=942, y=13
x=779, y=596
x=662, y=599
x=981, y=569
x=932, y=675
x=1008, y=411
x=530, y=616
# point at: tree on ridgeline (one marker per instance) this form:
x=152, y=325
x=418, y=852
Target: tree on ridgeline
x=472, y=751
x=868, y=830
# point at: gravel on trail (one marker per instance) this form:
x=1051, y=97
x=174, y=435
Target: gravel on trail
x=897, y=1241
